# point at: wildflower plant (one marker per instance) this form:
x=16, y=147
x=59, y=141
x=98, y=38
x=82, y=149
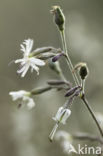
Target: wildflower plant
x=50, y=56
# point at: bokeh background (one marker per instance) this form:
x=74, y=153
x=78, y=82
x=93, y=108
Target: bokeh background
x=24, y=132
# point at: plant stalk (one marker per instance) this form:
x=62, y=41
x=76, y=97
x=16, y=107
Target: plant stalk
x=84, y=100
x=92, y=113
x=75, y=78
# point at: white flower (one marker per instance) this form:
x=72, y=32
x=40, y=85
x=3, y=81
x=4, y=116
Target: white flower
x=24, y=96
x=27, y=61
x=62, y=115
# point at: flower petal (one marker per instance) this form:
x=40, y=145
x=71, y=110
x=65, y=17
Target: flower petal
x=17, y=94
x=25, y=70
x=35, y=68
x=22, y=48
x=37, y=61
x=29, y=45
x=30, y=103
x=19, y=60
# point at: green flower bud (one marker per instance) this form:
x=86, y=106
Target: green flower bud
x=58, y=17
x=83, y=71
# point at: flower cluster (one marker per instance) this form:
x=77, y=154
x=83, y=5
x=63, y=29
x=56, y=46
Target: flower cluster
x=33, y=59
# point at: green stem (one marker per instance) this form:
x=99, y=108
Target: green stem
x=77, y=82
x=83, y=86
x=92, y=113
x=75, y=78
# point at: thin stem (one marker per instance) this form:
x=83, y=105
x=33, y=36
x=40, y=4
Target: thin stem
x=92, y=113
x=77, y=81
x=75, y=78
x=83, y=86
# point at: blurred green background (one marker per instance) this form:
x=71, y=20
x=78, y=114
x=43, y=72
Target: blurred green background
x=25, y=133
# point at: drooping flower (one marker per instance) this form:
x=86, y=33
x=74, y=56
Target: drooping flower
x=28, y=60
x=60, y=117
x=24, y=96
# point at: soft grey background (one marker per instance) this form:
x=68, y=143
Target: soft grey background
x=23, y=132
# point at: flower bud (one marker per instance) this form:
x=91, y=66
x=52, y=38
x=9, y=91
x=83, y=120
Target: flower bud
x=62, y=115
x=58, y=82
x=83, y=70
x=57, y=57
x=58, y=17
x=72, y=91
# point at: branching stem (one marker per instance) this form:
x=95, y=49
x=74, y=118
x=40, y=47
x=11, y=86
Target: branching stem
x=75, y=78
x=84, y=100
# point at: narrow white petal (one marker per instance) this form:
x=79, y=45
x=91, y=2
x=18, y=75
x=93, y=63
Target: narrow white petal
x=30, y=103
x=17, y=94
x=37, y=61
x=29, y=45
x=25, y=70
x=19, y=60
x=35, y=68
x=22, y=48
x=21, y=70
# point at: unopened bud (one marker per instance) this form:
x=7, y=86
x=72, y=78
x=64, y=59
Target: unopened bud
x=72, y=91
x=58, y=17
x=57, y=57
x=83, y=70
x=58, y=82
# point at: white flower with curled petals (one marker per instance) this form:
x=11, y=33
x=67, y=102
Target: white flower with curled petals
x=61, y=116
x=27, y=61
x=24, y=96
